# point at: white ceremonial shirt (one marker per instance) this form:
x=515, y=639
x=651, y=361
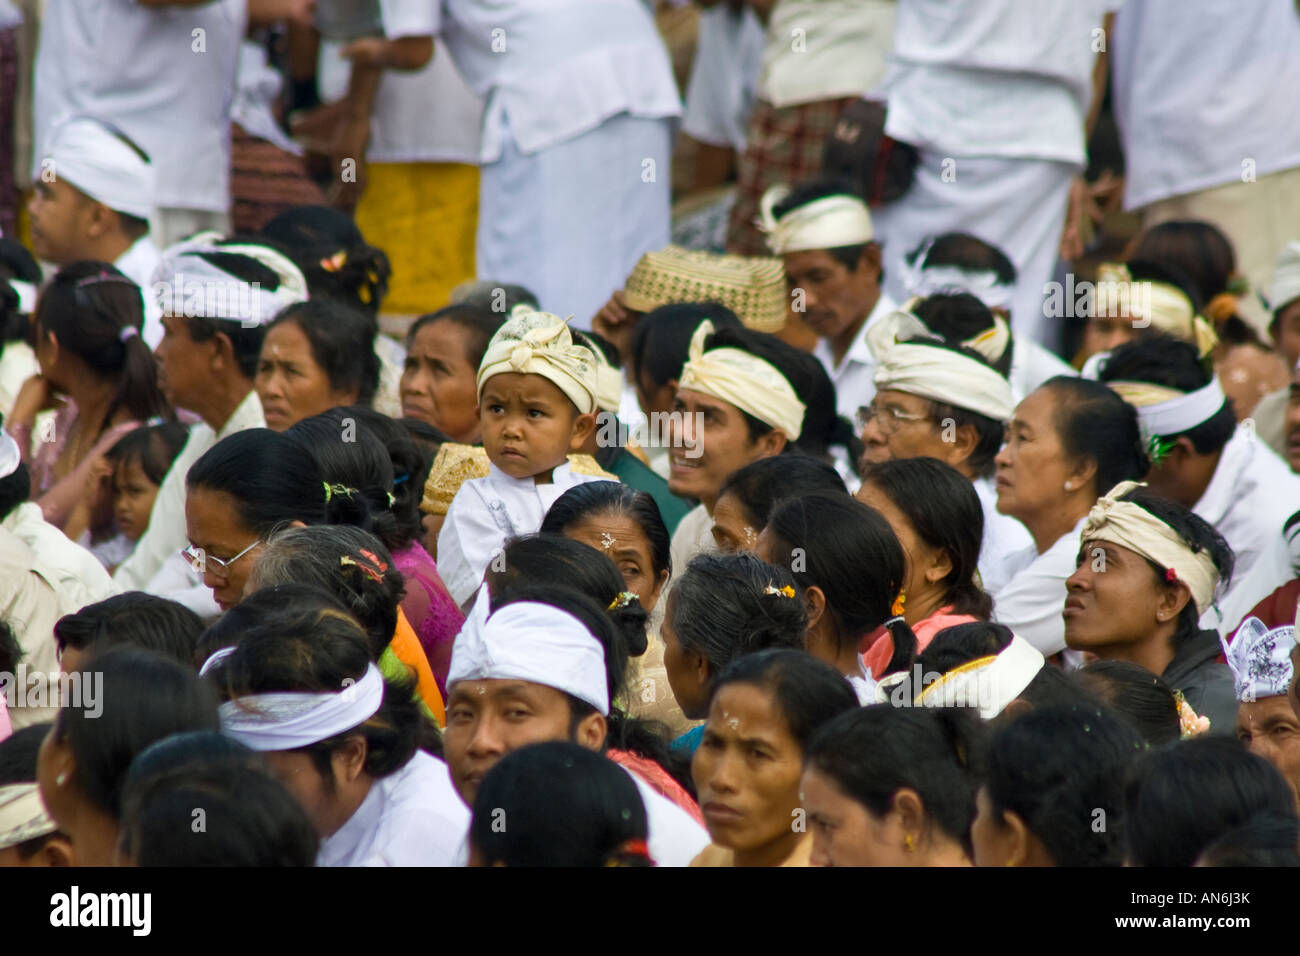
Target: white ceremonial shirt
x=1031, y=366
x=31, y=603
x=825, y=49
x=694, y=535
x=1005, y=539
x=674, y=838
x=854, y=379
x=1249, y=501
x=138, y=264
x=166, y=535
x=164, y=76
x=76, y=573
x=413, y=817
x=1032, y=602
x=724, y=77
x=485, y=514
x=257, y=85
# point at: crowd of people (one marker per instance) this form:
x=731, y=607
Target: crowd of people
x=440, y=433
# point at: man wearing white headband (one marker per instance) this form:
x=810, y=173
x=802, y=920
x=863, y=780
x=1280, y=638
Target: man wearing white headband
x=530, y=672
x=1148, y=572
x=937, y=400
x=832, y=267
x=1202, y=459
x=1260, y=660
x=1277, y=418
x=216, y=298
x=92, y=200
x=749, y=410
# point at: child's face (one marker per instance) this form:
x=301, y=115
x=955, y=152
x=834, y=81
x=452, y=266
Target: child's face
x=133, y=495
x=529, y=425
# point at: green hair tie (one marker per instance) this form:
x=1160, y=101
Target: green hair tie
x=342, y=491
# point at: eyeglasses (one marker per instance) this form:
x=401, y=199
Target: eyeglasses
x=201, y=561
x=888, y=419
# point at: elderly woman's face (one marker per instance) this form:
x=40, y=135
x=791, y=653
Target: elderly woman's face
x=747, y=772
x=214, y=526
x=1031, y=467
x=622, y=540
x=290, y=383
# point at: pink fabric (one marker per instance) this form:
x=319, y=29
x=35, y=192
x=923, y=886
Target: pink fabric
x=882, y=645
x=434, y=616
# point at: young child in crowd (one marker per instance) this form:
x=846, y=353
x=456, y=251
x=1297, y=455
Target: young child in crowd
x=139, y=461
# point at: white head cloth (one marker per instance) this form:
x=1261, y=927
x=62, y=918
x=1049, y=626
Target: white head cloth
x=532, y=642
x=926, y=369
x=1286, y=276
x=1167, y=411
x=609, y=380
x=288, y=720
x=22, y=815
x=1260, y=659
x=1158, y=305
x=827, y=223
x=89, y=155
x=746, y=381
x=1132, y=526
x=10, y=455
x=26, y=295
x=185, y=284
x=539, y=343
x=989, y=683
x=923, y=280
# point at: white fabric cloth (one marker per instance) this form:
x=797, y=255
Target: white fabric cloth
x=1031, y=366
x=533, y=642
x=11, y=456
x=1004, y=539
x=257, y=84
x=93, y=158
x=1260, y=659
x=1184, y=129
x=1167, y=411
x=164, y=76
x=854, y=377
x=162, y=542
x=138, y=264
x=1286, y=277
x=825, y=49
x=485, y=514
x=413, y=817
x=942, y=375
x=539, y=343
x=10, y=15
x=1032, y=602
x=694, y=535
x=293, y=719
x=673, y=836
x=750, y=383
x=827, y=223
x=17, y=364
x=990, y=686
x=1249, y=501
x=186, y=284
x=22, y=812
x=724, y=77
x=77, y=574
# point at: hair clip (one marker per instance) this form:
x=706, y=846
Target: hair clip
x=1190, y=723
x=1171, y=576
x=397, y=480
x=392, y=498
x=897, y=619
x=335, y=262
x=897, y=608
x=1158, y=448
x=341, y=490
x=367, y=570
x=636, y=848
x=623, y=599
x=128, y=332
x=371, y=556
x=101, y=276
x=786, y=591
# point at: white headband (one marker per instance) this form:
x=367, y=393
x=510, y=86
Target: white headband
x=1260, y=659
x=22, y=815
x=826, y=223
x=1167, y=411
x=984, y=285
x=746, y=381
x=1286, y=276
x=532, y=642
x=91, y=157
x=289, y=720
x=539, y=343
x=1131, y=526
x=185, y=284
x=10, y=455
x=26, y=295
x=609, y=380
x=942, y=375
x=989, y=683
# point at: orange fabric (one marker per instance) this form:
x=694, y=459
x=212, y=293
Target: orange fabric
x=408, y=650
x=882, y=649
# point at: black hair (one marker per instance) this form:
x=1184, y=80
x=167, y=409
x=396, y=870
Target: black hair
x=661, y=341
x=1181, y=799
x=1092, y=422
x=593, y=499
x=1200, y=536
x=478, y=322
x=540, y=559
x=245, y=339
x=153, y=447
x=140, y=697
x=1164, y=360
x=807, y=192
x=871, y=753
x=249, y=818
x=598, y=343
x=97, y=313
x=499, y=297
x=1135, y=693
x=724, y=607
x=966, y=252
x=959, y=316
x=1264, y=840
x=18, y=758
x=17, y=264
x=1148, y=270
x=563, y=805
x=132, y=619
x=945, y=513
x=301, y=642
x=333, y=255
x=351, y=564
x=1061, y=771
x=761, y=484
x=847, y=549
x=342, y=343
x=15, y=489
x=11, y=652
x=808, y=692
x=292, y=489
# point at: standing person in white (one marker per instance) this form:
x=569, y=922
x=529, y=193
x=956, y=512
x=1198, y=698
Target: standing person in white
x=162, y=71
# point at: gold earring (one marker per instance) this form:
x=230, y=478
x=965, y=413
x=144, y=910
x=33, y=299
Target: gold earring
x=907, y=843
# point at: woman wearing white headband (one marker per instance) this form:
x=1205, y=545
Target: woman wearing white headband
x=1147, y=571
x=301, y=689
x=1202, y=459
